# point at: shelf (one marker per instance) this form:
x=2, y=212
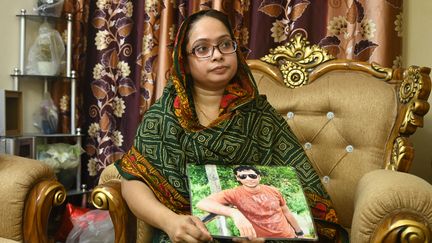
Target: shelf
x=77, y=192
x=42, y=135
x=36, y=139
x=53, y=135
x=34, y=76
x=41, y=17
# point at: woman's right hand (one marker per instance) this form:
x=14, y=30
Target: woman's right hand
x=186, y=228
x=243, y=224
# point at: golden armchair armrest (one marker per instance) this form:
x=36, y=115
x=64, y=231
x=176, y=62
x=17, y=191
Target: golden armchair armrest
x=42, y=197
x=107, y=196
x=392, y=206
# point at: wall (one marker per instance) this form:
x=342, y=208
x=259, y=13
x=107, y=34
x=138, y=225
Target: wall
x=418, y=51
x=32, y=89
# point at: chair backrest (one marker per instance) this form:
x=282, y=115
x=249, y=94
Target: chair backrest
x=351, y=117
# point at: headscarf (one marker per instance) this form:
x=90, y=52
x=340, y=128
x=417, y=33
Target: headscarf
x=240, y=90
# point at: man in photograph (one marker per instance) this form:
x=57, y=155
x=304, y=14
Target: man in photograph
x=257, y=210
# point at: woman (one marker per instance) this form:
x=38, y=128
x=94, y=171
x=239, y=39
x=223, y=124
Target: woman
x=210, y=113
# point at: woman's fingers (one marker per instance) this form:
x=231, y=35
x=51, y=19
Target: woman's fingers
x=204, y=234
x=198, y=230
x=187, y=229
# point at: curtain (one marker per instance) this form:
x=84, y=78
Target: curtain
x=129, y=51
x=60, y=90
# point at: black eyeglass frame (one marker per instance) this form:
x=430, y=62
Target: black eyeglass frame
x=192, y=52
x=244, y=176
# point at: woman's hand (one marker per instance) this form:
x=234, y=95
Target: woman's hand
x=186, y=228
x=243, y=224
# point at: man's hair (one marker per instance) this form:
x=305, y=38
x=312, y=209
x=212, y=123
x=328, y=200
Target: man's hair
x=245, y=167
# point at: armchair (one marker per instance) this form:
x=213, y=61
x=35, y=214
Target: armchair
x=28, y=192
x=354, y=120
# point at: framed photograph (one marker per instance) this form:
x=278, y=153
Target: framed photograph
x=242, y=200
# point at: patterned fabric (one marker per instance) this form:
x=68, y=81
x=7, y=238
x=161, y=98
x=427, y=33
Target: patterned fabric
x=137, y=166
x=248, y=131
x=113, y=85
x=256, y=134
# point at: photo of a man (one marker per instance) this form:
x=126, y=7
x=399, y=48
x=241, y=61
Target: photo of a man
x=256, y=209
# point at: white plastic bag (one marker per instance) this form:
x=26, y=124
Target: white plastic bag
x=46, y=53
x=46, y=118
x=49, y=7
x=60, y=156
x=95, y=226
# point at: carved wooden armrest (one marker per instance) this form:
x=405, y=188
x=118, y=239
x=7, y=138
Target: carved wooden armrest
x=392, y=206
x=107, y=196
x=43, y=196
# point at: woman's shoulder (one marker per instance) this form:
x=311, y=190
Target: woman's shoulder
x=260, y=105
x=259, y=102
x=164, y=103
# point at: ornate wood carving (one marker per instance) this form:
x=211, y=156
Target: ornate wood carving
x=108, y=197
x=374, y=69
x=382, y=72
x=296, y=59
x=402, y=155
x=403, y=227
x=414, y=92
x=39, y=203
x=301, y=63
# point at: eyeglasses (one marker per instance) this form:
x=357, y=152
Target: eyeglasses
x=206, y=50
x=244, y=176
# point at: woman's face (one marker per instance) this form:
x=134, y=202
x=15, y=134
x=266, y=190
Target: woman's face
x=216, y=71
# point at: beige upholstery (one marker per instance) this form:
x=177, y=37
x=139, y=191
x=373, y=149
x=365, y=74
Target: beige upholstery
x=28, y=191
x=354, y=120
x=339, y=93
x=398, y=194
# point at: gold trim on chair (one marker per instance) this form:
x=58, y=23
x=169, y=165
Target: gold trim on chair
x=373, y=69
x=296, y=59
x=402, y=155
x=301, y=63
x=38, y=207
x=108, y=197
x=413, y=95
x=403, y=227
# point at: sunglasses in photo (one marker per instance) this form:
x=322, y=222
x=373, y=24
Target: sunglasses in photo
x=244, y=176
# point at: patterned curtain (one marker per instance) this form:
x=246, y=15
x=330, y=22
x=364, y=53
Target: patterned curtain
x=129, y=51
x=60, y=90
